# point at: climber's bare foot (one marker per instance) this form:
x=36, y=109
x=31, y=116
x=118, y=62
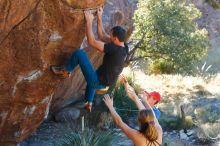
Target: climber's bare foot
x=60, y=71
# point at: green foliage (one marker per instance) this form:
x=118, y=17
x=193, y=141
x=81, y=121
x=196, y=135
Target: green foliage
x=161, y=66
x=122, y=101
x=89, y=137
x=168, y=30
x=176, y=123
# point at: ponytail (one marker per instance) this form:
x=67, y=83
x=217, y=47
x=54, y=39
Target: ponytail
x=148, y=128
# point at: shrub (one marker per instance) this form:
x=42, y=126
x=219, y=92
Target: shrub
x=167, y=29
x=162, y=67
x=208, y=132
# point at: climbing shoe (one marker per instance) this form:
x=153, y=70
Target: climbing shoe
x=102, y=91
x=88, y=106
x=60, y=71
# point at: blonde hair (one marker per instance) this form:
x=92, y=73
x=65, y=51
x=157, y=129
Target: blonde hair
x=147, y=125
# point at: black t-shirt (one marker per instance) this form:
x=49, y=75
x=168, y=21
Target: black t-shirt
x=113, y=63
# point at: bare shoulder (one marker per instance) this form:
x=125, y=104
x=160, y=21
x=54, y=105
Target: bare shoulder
x=159, y=128
x=160, y=133
x=141, y=140
x=137, y=136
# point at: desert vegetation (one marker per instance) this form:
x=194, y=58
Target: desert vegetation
x=167, y=38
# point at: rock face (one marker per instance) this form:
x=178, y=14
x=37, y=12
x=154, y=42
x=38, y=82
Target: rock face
x=33, y=35
x=211, y=21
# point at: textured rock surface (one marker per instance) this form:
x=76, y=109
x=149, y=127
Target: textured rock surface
x=33, y=35
x=37, y=33
x=211, y=21
x=67, y=115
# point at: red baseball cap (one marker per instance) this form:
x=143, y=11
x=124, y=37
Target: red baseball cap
x=155, y=95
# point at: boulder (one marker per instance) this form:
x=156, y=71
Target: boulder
x=35, y=34
x=67, y=115
x=210, y=20
x=183, y=136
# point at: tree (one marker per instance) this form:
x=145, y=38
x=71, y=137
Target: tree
x=165, y=30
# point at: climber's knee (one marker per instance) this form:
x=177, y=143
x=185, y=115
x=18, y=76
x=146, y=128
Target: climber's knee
x=78, y=51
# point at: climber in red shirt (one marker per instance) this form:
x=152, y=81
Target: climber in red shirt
x=115, y=51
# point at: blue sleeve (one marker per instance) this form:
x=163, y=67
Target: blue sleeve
x=156, y=112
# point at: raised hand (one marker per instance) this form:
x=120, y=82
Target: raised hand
x=143, y=97
x=108, y=101
x=123, y=79
x=89, y=16
x=130, y=91
x=100, y=12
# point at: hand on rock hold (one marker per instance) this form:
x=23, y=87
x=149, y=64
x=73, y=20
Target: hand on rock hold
x=100, y=12
x=89, y=16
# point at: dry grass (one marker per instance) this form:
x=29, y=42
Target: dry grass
x=199, y=95
x=208, y=132
x=172, y=85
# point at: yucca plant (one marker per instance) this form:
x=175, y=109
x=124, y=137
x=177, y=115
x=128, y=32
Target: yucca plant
x=88, y=137
x=204, y=69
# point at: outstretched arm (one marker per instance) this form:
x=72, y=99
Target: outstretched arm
x=101, y=32
x=89, y=33
x=147, y=105
x=131, y=133
x=144, y=101
x=131, y=93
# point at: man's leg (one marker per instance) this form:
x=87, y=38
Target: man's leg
x=75, y=59
x=89, y=96
x=80, y=58
x=90, y=93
